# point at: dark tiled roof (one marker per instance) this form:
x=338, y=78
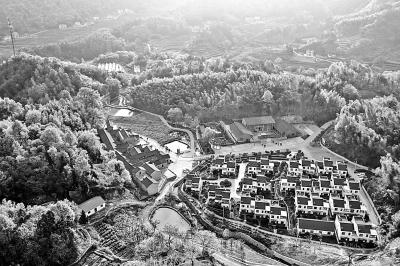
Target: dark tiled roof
x=245, y=200
x=277, y=210
x=247, y=181
x=364, y=228
x=342, y=167
x=318, y=202
x=261, y=205
x=294, y=165
x=219, y=161
x=302, y=200
x=147, y=182
x=315, y=183
x=306, y=183
x=354, y=204
x=320, y=164
x=339, y=181
x=265, y=162
x=306, y=163
x=328, y=163
x=91, y=203
x=260, y=120
x=338, y=203
x=106, y=138
x=354, y=185
x=212, y=188
x=292, y=179
x=226, y=194
x=261, y=179
x=253, y=164
x=325, y=184
x=317, y=225
x=347, y=227
x=231, y=165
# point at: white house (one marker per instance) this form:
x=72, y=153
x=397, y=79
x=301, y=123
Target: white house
x=92, y=205
x=315, y=227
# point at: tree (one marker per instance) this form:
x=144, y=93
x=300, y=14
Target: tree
x=83, y=218
x=175, y=114
x=114, y=86
x=350, y=92
x=206, y=239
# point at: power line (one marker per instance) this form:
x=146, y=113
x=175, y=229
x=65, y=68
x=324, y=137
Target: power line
x=11, y=34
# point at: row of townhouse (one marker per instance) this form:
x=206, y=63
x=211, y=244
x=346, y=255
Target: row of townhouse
x=348, y=205
x=323, y=185
x=226, y=167
x=264, y=208
x=297, y=167
x=253, y=184
x=355, y=230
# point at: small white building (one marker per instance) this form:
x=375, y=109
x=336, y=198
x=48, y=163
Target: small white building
x=92, y=205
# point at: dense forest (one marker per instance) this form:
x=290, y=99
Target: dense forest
x=49, y=146
x=38, y=235
x=50, y=152
x=315, y=95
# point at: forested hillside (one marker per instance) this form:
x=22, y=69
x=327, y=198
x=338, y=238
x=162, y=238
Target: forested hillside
x=315, y=95
x=49, y=146
x=36, y=15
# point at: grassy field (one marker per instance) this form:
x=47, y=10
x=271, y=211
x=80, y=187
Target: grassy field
x=146, y=125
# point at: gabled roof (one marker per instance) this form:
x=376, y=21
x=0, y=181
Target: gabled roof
x=260, y=120
x=342, y=167
x=328, y=163
x=305, y=163
x=325, y=184
x=277, y=210
x=147, y=182
x=264, y=162
x=339, y=181
x=355, y=204
x=150, y=168
x=338, y=203
x=292, y=179
x=212, y=188
x=302, y=200
x=306, y=183
x=260, y=205
x=347, y=227
x=219, y=161
x=364, y=228
x=231, y=165
x=245, y=200
x=247, y=181
x=253, y=164
x=294, y=164
x=320, y=165
x=316, y=183
x=354, y=185
x=106, y=138
x=92, y=203
x=261, y=179
x=317, y=225
x=318, y=202
x=226, y=194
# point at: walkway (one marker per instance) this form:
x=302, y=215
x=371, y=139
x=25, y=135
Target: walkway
x=235, y=185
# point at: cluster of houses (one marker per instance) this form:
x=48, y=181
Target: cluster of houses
x=326, y=199
x=148, y=167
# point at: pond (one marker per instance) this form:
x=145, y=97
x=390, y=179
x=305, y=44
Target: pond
x=167, y=216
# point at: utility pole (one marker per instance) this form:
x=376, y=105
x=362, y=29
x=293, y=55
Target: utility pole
x=11, y=34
